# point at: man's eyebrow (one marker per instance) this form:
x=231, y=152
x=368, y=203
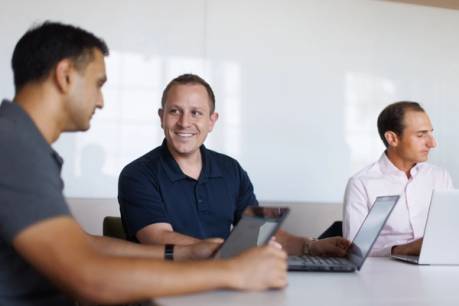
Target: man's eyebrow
x=425, y=131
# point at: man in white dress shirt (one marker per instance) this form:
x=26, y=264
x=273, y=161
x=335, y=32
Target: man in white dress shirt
x=407, y=133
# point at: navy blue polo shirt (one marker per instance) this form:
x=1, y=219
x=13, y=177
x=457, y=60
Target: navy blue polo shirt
x=153, y=189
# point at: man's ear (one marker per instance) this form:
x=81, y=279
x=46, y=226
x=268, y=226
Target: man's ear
x=391, y=138
x=63, y=75
x=213, y=120
x=160, y=114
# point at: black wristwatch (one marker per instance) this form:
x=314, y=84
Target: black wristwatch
x=169, y=252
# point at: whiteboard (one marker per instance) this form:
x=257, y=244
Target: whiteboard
x=299, y=84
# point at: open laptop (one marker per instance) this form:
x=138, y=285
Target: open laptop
x=439, y=246
x=360, y=247
x=256, y=227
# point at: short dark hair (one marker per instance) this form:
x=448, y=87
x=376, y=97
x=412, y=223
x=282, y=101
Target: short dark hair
x=43, y=46
x=192, y=79
x=391, y=118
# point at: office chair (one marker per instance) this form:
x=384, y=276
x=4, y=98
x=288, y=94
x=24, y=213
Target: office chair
x=113, y=227
x=336, y=229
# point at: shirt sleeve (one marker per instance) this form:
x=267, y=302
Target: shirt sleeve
x=382, y=251
x=140, y=200
x=246, y=196
x=355, y=208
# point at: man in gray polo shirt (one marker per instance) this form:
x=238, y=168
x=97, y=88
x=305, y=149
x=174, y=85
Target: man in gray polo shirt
x=45, y=256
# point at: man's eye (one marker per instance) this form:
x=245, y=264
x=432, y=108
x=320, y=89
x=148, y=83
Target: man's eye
x=174, y=111
x=196, y=113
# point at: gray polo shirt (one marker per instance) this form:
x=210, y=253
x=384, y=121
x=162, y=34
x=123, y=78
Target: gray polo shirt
x=30, y=191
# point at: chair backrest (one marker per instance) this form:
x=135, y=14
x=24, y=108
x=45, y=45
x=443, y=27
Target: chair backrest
x=113, y=227
x=336, y=229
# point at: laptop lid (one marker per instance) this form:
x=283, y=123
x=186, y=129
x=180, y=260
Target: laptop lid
x=438, y=246
x=256, y=227
x=370, y=229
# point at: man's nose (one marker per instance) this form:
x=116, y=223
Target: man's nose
x=100, y=102
x=432, y=143
x=184, y=120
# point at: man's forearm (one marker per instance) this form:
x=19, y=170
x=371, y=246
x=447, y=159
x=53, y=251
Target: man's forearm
x=412, y=248
x=117, y=247
x=167, y=237
x=293, y=245
x=115, y=279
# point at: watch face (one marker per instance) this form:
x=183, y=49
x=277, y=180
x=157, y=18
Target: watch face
x=169, y=252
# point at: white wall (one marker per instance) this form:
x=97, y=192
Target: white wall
x=299, y=84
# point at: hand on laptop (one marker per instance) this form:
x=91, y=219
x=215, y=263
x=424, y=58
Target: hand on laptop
x=202, y=249
x=260, y=268
x=333, y=246
x=412, y=248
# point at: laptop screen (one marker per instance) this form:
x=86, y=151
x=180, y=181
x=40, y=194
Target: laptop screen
x=256, y=227
x=370, y=229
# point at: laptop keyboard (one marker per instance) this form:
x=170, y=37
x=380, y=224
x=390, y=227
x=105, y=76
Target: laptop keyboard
x=318, y=260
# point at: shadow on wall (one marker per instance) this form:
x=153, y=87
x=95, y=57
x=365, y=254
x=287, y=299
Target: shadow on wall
x=92, y=179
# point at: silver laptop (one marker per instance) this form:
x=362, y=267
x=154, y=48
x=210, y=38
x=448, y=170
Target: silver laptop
x=439, y=245
x=256, y=227
x=360, y=247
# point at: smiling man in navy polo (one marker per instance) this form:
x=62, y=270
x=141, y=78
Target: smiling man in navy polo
x=182, y=192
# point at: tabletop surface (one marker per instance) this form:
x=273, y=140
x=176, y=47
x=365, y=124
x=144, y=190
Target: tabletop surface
x=381, y=281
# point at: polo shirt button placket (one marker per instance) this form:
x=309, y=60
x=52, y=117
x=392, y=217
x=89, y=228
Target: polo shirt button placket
x=200, y=198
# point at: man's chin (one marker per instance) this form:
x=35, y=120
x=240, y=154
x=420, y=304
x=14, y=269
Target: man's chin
x=84, y=127
x=80, y=128
x=423, y=158
x=185, y=151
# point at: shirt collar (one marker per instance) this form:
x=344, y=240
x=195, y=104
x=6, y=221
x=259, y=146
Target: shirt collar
x=210, y=168
x=388, y=167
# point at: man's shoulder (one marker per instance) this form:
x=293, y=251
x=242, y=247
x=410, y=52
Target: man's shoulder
x=18, y=134
x=18, y=145
x=368, y=171
x=147, y=162
x=223, y=160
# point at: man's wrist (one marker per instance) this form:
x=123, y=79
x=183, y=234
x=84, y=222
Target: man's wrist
x=234, y=278
x=308, y=246
x=392, y=250
x=397, y=250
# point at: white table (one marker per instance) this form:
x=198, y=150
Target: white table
x=381, y=281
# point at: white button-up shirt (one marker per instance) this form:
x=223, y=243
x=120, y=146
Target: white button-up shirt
x=409, y=216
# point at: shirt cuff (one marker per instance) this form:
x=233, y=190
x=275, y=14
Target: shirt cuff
x=381, y=252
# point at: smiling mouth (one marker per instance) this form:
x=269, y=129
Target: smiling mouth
x=184, y=135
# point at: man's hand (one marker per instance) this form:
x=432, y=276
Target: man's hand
x=413, y=248
x=333, y=246
x=199, y=250
x=260, y=268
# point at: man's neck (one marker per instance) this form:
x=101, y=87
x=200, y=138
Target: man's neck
x=191, y=164
x=401, y=164
x=43, y=111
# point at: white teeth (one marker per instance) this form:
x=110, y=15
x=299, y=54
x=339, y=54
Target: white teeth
x=184, y=134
